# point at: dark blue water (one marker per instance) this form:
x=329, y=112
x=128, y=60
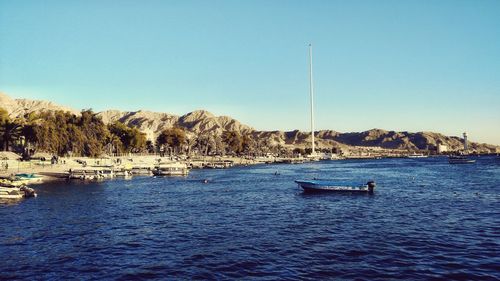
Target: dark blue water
x=427, y=220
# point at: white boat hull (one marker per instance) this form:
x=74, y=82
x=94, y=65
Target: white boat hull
x=460, y=160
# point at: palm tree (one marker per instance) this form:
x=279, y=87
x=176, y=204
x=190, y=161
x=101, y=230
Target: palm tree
x=9, y=132
x=191, y=142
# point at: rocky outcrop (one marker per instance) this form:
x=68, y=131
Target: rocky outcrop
x=196, y=122
x=399, y=140
x=150, y=123
x=20, y=107
x=202, y=121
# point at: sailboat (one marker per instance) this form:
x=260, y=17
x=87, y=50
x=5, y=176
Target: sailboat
x=317, y=186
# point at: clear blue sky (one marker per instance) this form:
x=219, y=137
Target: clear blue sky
x=396, y=65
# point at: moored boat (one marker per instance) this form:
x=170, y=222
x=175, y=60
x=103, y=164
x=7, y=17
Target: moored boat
x=29, y=178
x=415, y=155
x=220, y=164
x=123, y=172
x=91, y=173
x=460, y=159
x=316, y=186
x=11, y=181
x=14, y=192
x=171, y=169
x=142, y=169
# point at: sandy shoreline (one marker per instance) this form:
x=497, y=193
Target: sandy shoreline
x=60, y=170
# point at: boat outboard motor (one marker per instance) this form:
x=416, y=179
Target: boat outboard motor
x=371, y=186
x=28, y=192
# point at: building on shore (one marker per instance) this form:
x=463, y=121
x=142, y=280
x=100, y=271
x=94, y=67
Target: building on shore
x=441, y=148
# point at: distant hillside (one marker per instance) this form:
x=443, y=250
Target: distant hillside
x=196, y=122
x=203, y=122
x=20, y=107
x=371, y=138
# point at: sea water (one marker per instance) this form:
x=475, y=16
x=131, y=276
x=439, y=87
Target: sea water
x=426, y=220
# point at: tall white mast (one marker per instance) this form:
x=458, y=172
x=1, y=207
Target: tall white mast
x=311, y=90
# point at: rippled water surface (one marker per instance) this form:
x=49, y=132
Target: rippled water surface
x=426, y=220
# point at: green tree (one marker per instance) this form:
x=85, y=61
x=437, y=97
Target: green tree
x=136, y=140
x=10, y=130
x=132, y=139
x=95, y=131
x=173, y=137
x=150, y=146
x=62, y=133
x=298, y=150
x=205, y=143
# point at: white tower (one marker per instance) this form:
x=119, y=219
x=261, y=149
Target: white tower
x=465, y=142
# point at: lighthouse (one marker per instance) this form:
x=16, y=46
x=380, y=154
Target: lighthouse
x=465, y=142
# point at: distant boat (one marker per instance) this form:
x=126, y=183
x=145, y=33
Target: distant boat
x=463, y=158
x=321, y=186
x=171, y=169
x=460, y=159
x=415, y=155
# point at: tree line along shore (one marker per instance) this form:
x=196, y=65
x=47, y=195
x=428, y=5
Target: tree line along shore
x=67, y=135
x=63, y=134
x=46, y=139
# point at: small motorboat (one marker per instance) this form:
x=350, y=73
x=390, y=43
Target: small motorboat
x=14, y=192
x=415, y=155
x=460, y=159
x=316, y=186
x=29, y=178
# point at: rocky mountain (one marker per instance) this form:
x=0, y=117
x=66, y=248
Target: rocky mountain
x=20, y=107
x=372, y=138
x=150, y=123
x=196, y=122
x=203, y=122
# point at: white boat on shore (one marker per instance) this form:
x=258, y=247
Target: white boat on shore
x=91, y=173
x=171, y=169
